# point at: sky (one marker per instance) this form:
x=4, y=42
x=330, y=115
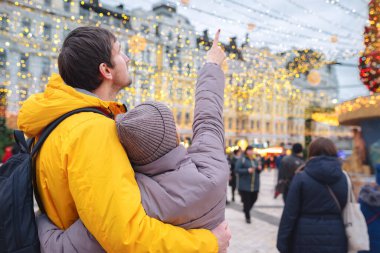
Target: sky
x=285, y=24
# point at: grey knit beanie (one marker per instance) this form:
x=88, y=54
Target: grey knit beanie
x=147, y=132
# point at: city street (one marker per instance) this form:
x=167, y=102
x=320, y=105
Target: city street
x=254, y=80
x=259, y=236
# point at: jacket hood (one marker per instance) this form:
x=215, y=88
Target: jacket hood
x=370, y=195
x=324, y=169
x=169, y=162
x=58, y=98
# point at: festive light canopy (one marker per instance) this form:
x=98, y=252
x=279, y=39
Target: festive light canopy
x=166, y=56
x=362, y=108
x=327, y=118
x=257, y=73
x=281, y=25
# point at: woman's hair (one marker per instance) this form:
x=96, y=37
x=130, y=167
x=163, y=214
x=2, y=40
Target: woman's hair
x=247, y=149
x=322, y=146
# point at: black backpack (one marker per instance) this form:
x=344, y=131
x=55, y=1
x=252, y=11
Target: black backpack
x=18, y=229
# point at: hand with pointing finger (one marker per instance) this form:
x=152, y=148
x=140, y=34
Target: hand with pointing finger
x=216, y=54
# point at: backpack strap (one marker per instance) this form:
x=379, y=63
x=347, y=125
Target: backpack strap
x=331, y=192
x=334, y=197
x=45, y=133
x=20, y=140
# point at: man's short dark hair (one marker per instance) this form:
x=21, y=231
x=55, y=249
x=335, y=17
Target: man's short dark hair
x=83, y=50
x=297, y=148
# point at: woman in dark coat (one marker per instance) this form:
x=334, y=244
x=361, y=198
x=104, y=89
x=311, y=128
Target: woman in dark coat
x=312, y=220
x=248, y=172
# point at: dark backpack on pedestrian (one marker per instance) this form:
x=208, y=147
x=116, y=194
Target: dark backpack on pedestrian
x=18, y=228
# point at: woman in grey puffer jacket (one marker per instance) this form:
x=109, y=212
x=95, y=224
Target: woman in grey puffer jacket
x=178, y=186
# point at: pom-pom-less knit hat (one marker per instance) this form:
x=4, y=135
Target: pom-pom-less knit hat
x=147, y=132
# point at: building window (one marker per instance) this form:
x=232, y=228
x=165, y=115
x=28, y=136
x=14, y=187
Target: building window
x=148, y=55
x=3, y=21
x=45, y=67
x=24, y=63
x=157, y=31
x=86, y=14
x=237, y=124
x=126, y=49
x=144, y=28
x=243, y=124
x=26, y=26
x=179, y=93
x=268, y=126
x=23, y=93
x=3, y=58
x=258, y=125
x=229, y=123
x=252, y=124
x=66, y=32
x=180, y=67
x=267, y=109
x=179, y=116
x=47, y=32
x=67, y=5
x=47, y=3
x=187, y=118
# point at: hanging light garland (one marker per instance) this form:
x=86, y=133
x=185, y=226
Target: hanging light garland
x=261, y=74
x=352, y=12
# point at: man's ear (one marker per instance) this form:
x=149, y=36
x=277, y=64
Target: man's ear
x=105, y=71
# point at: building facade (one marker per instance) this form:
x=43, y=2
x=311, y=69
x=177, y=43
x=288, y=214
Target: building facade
x=261, y=106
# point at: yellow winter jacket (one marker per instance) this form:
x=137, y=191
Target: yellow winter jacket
x=83, y=171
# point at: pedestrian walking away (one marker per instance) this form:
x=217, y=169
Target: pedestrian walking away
x=312, y=219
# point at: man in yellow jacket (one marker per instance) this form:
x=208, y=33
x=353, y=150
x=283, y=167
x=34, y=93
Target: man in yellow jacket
x=82, y=169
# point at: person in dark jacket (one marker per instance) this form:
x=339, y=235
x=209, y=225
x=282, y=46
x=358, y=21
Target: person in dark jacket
x=279, y=157
x=248, y=171
x=232, y=182
x=311, y=221
x=289, y=164
x=369, y=199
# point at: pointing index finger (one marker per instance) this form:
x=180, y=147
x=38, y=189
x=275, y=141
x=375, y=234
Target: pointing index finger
x=216, y=39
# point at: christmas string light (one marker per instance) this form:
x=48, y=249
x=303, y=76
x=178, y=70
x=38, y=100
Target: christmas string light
x=283, y=18
x=328, y=21
x=262, y=75
x=347, y=10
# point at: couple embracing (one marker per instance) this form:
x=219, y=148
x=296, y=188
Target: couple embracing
x=121, y=182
